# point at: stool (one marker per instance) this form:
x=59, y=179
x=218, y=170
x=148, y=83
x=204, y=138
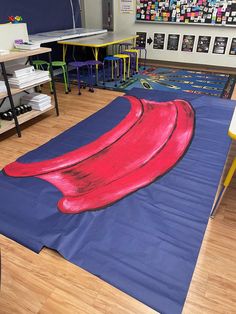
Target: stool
x=124, y=45
x=136, y=52
x=78, y=65
x=132, y=57
x=115, y=64
x=90, y=64
x=141, y=49
x=124, y=58
x=41, y=65
x=63, y=65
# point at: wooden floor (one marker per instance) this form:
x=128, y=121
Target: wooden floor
x=47, y=283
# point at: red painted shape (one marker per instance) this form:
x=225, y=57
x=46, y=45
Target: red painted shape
x=148, y=149
x=17, y=169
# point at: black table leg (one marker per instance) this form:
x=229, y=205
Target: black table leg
x=53, y=83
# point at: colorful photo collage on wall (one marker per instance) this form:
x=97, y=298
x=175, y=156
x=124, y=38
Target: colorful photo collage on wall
x=203, y=43
x=184, y=11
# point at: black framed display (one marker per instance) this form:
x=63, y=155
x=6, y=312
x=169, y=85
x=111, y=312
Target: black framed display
x=203, y=44
x=188, y=43
x=141, y=39
x=220, y=44
x=173, y=42
x=213, y=12
x=159, y=40
x=233, y=47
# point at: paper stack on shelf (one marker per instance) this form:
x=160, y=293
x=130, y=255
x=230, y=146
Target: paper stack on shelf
x=27, y=45
x=29, y=79
x=37, y=101
x=18, y=70
x=3, y=88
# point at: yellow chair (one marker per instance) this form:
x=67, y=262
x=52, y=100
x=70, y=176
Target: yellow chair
x=124, y=59
x=137, y=53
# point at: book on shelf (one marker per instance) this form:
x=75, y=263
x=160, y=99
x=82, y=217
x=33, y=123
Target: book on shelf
x=18, y=70
x=37, y=101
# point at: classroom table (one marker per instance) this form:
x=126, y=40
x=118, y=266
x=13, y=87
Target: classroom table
x=48, y=37
x=98, y=41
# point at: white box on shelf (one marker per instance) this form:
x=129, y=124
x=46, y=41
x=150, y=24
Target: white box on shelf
x=18, y=70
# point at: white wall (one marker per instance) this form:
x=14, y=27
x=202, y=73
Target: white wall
x=124, y=22
x=93, y=13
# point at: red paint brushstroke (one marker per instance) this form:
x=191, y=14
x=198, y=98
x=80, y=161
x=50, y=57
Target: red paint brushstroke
x=145, y=145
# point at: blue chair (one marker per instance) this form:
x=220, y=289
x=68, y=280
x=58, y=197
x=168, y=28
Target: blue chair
x=114, y=64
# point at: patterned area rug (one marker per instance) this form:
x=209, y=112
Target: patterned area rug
x=169, y=79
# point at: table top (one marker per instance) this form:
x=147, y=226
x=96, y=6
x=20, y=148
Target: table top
x=232, y=127
x=18, y=54
x=52, y=36
x=103, y=40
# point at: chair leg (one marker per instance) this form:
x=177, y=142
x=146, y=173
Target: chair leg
x=124, y=69
x=67, y=79
x=121, y=74
x=137, y=65
x=128, y=71
x=112, y=71
x=91, y=79
x=103, y=74
x=116, y=64
x=78, y=79
x=65, y=82
x=145, y=59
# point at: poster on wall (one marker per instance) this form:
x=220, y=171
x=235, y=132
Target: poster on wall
x=220, y=45
x=214, y=12
x=203, y=44
x=141, y=39
x=127, y=6
x=233, y=47
x=159, y=40
x=188, y=42
x=173, y=42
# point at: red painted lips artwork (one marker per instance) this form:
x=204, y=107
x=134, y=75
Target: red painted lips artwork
x=145, y=145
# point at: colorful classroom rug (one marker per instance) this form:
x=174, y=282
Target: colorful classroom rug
x=170, y=79
x=125, y=194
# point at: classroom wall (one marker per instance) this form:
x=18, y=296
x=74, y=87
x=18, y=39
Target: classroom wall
x=124, y=22
x=93, y=13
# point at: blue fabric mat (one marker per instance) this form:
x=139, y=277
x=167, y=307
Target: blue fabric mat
x=147, y=243
x=170, y=79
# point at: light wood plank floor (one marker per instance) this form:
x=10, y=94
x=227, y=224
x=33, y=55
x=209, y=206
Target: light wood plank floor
x=47, y=283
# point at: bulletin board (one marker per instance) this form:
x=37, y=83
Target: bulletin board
x=205, y=12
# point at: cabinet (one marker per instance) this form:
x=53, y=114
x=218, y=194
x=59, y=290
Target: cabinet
x=18, y=120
